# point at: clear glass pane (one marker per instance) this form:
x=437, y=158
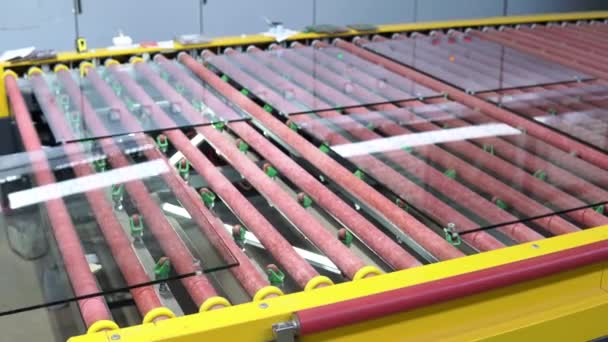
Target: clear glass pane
x=578, y=109
x=308, y=79
x=473, y=64
x=123, y=99
x=97, y=208
x=457, y=166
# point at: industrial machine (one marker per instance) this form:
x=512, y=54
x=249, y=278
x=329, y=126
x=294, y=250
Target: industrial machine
x=428, y=181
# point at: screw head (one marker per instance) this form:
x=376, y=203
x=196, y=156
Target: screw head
x=263, y=306
x=115, y=337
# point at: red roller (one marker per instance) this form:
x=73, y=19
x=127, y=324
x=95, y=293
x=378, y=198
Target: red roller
x=380, y=305
x=347, y=261
x=594, y=156
x=183, y=261
x=128, y=262
x=281, y=250
x=83, y=282
x=429, y=240
x=368, y=233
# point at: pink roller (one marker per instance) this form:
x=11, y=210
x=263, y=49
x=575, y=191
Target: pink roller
x=594, y=156
x=128, y=262
x=311, y=228
x=428, y=239
x=83, y=282
x=281, y=250
x=370, y=235
x=173, y=247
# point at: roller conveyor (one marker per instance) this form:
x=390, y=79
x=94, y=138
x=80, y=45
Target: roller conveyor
x=257, y=177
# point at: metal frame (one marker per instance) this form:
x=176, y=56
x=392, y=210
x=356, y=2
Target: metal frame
x=568, y=304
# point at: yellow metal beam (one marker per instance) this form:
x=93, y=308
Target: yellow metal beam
x=3, y=98
x=253, y=321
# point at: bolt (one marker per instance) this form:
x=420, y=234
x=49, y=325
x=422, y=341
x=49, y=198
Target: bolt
x=115, y=337
x=535, y=245
x=263, y=306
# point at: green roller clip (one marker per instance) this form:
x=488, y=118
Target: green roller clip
x=268, y=108
x=162, y=143
x=162, y=269
x=500, y=203
x=305, y=200
x=408, y=149
x=540, y=174
x=324, y=148
x=179, y=88
x=245, y=92
x=225, y=78
x=275, y=276
x=136, y=225
x=370, y=126
x=184, y=168
x=164, y=75
x=270, y=170
x=552, y=111
x=219, y=125
x=600, y=209
x=117, y=88
x=345, y=236
x=450, y=173
x=198, y=105
x=340, y=56
x=451, y=235
x=401, y=204
x=208, y=197
x=488, y=148
x=238, y=234
x=359, y=174
x=100, y=165
x=243, y=147
x=293, y=126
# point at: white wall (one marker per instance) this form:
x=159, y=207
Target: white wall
x=50, y=24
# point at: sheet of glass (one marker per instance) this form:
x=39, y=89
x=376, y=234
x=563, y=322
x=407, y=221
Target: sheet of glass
x=307, y=79
x=580, y=110
x=473, y=64
x=461, y=169
x=111, y=95
x=106, y=216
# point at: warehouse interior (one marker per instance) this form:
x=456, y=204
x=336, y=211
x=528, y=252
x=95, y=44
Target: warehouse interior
x=303, y=171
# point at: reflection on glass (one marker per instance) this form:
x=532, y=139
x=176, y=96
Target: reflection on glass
x=114, y=191
x=577, y=109
x=458, y=167
x=473, y=64
x=308, y=79
x=123, y=101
